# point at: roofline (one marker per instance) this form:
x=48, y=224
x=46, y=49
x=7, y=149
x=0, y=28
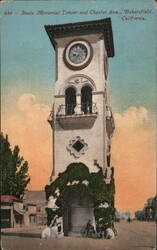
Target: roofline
x=80, y=24
x=103, y=25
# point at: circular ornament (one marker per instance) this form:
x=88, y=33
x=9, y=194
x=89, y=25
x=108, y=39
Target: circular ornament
x=78, y=54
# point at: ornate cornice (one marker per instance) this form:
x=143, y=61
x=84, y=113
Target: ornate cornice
x=103, y=26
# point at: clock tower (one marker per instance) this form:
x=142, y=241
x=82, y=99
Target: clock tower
x=81, y=119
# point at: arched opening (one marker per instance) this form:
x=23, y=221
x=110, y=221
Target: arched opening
x=86, y=100
x=70, y=101
x=80, y=207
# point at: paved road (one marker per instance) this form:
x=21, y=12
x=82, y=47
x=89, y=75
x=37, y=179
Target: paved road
x=131, y=236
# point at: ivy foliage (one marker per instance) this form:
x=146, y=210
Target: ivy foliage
x=77, y=178
x=14, y=169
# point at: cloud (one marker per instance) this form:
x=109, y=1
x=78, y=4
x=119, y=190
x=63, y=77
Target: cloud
x=132, y=118
x=133, y=149
x=29, y=129
x=133, y=156
x=26, y=102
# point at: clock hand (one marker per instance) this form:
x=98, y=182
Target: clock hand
x=75, y=53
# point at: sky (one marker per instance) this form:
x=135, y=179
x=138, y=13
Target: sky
x=28, y=78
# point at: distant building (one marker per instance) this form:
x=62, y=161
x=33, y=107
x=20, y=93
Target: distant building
x=34, y=205
x=139, y=215
x=149, y=212
x=21, y=213
x=150, y=209
x=154, y=208
x=122, y=215
x=9, y=217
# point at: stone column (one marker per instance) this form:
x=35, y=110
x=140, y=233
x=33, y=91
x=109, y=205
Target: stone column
x=78, y=105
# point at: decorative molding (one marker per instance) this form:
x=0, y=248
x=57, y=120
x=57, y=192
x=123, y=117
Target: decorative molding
x=98, y=93
x=103, y=26
x=77, y=147
x=77, y=81
x=59, y=96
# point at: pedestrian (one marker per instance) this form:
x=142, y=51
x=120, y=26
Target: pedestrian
x=89, y=229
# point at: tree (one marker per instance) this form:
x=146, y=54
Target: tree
x=14, y=169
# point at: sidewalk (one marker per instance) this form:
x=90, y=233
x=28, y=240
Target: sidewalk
x=22, y=229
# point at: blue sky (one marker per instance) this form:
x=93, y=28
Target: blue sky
x=28, y=64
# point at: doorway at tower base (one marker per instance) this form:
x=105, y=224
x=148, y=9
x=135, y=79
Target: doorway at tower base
x=77, y=214
x=79, y=196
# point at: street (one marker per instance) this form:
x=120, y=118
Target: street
x=131, y=236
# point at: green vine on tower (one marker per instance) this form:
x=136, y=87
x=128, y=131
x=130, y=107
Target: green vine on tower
x=77, y=178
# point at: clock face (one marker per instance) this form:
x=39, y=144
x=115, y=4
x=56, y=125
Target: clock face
x=78, y=53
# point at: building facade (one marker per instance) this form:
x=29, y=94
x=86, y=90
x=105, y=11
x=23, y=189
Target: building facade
x=28, y=212
x=82, y=119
